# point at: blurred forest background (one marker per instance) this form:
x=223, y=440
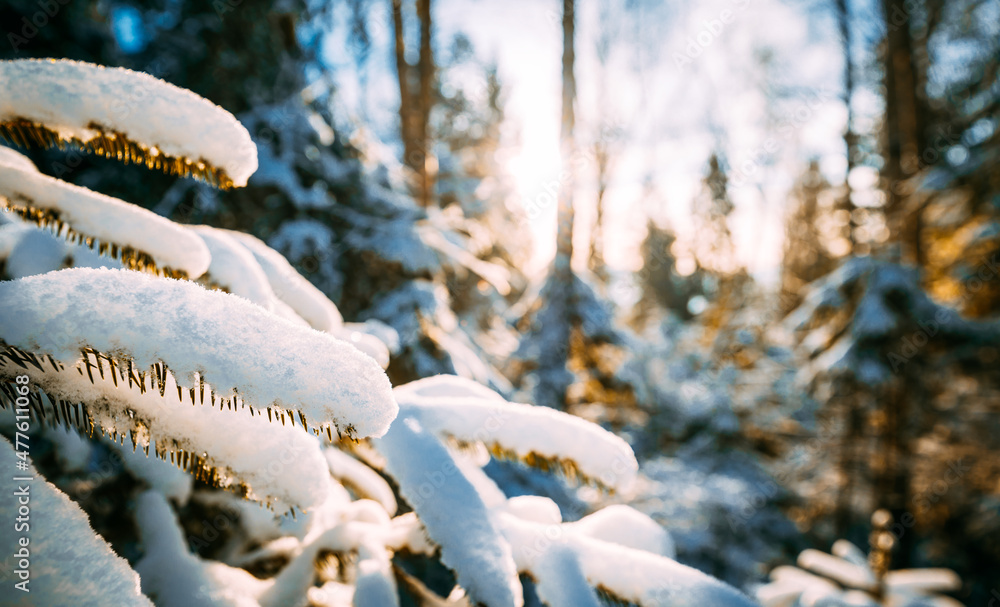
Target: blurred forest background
x=758, y=239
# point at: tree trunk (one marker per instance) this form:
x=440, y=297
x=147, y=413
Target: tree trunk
x=597, y=234
x=567, y=149
x=403, y=73
x=903, y=123
x=562, y=299
x=601, y=147
x=894, y=494
x=425, y=161
x=844, y=19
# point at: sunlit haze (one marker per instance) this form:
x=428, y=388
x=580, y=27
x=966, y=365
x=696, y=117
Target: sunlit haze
x=686, y=83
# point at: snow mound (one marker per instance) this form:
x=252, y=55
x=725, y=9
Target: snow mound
x=627, y=526
x=69, y=563
x=27, y=250
x=139, y=237
x=123, y=114
x=638, y=577
x=9, y=157
x=846, y=579
x=452, y=512
x=234, y=268
x=265, y=361
x=292, y=288
x=460, y=409
x=356, y=334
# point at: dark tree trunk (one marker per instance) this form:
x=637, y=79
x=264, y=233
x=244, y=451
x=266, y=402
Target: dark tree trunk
x=415, y=105
x=403, y=73
x=850, y=140
x=562, y=295
x=425, y=68
x=904, y=125
x=567, y=149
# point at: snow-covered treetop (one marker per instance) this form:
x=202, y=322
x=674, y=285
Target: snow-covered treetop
x=123, y=114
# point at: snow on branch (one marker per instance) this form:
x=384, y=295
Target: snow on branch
x=175, y=577
x=130, y=322
x=452, y=512
x=140, y=239
x=122, y=114
x=359, y=477
x=254, y=272
x=291, y=287
x=482, y=533
x=9, y=157
x=280, y=467
x=245, y=266
x=638, y=577
x=70, y=564
x=233, y=268
x=468, y=413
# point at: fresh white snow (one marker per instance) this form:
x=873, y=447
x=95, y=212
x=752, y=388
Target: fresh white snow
x=28, y=250
x=176, y=578
x=12, y=158
x=459, y=408
x=845, y=578
x=637, y=576
x=452, y=512
x=234, y=268
x=107, y=219
x=79, y=100
x=233, y=344
x=291, y=287
x=69, y=564
x=361, y=478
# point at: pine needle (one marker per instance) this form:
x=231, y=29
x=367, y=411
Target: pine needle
x=25, y=133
